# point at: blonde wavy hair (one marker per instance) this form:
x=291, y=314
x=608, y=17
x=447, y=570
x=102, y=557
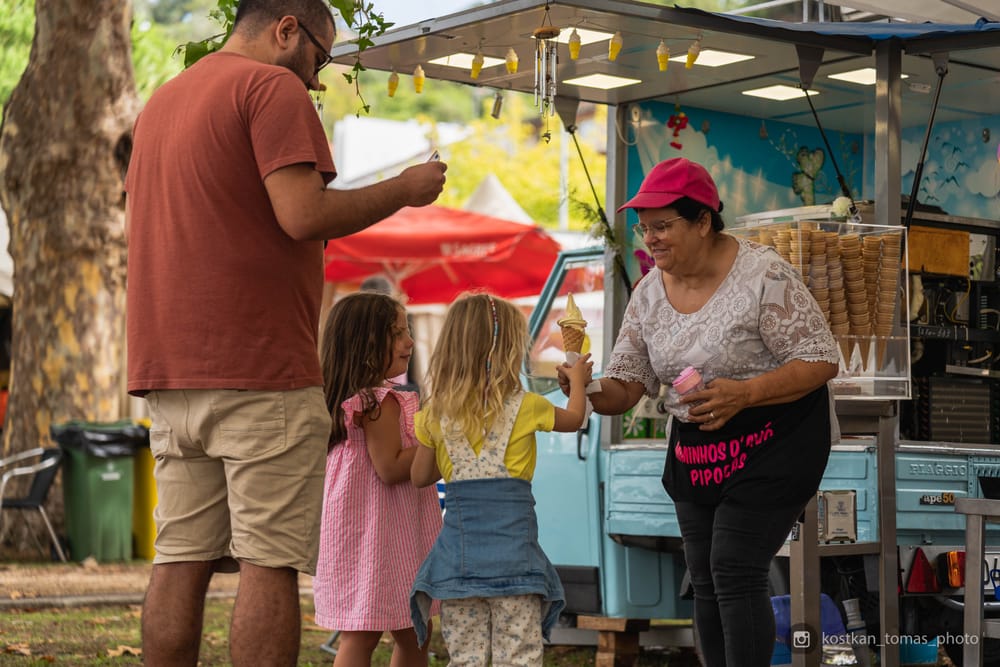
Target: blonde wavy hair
x=476, y=362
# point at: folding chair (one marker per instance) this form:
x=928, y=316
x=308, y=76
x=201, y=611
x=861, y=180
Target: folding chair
x=44, y=471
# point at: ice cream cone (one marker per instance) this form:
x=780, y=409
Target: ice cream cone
x=614, y=46
x=574, y=45
x=692, y=55
x=572, y=338
x=511, y=61
x=418, y=79
x=662, y=56
x=477, y=64
x=573, y=327
x=845, y=349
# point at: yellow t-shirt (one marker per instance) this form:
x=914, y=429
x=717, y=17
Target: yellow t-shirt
x=536, y=414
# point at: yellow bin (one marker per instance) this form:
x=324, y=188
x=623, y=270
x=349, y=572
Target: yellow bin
x=143, y=504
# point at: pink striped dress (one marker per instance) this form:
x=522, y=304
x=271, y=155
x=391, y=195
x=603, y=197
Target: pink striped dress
x=374, y=537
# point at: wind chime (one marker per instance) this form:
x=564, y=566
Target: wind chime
x=546, y=59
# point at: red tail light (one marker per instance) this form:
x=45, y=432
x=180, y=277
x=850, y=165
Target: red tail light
x=922, y=578
x=951, y=568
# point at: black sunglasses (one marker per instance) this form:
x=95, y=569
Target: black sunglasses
x=327, y=58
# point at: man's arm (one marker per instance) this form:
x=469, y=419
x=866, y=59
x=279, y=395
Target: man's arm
x=307, y=210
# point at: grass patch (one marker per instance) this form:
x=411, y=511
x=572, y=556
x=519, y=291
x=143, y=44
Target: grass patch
x=109, y=635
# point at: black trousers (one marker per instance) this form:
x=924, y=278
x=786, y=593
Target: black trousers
x=728, y=548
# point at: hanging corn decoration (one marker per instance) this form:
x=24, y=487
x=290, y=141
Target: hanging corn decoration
x=418, y=79
x=614, y=46
x=477, y=64
x=511, y=61
x=662, y=56
x=574, y=45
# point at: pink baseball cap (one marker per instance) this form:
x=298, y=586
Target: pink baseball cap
x=672, y=179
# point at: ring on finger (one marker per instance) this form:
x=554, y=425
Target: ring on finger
x=711, y=413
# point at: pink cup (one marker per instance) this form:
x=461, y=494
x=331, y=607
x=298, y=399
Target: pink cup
x=689, y=380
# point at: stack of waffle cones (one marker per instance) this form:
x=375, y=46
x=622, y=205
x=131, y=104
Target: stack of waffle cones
x=857, y=298
x=819, y=271
x=854, y=281
x=839, y=323
x=890, y=252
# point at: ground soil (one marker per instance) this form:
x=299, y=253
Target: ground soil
x=22, y=581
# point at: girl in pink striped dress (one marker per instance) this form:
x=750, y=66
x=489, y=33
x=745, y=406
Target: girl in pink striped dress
x=377, y=527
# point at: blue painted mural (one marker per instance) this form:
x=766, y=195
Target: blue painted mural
x=757, y=166
x=961, y=173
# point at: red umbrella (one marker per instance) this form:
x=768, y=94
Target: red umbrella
x=433, y=254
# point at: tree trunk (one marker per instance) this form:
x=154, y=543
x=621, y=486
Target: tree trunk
x=64, y=145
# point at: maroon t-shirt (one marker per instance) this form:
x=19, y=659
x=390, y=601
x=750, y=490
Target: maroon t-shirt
x=219, y=296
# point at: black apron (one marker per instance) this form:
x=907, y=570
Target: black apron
x=767, y=456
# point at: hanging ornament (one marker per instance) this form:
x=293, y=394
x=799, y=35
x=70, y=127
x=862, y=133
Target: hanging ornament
x=662, y=56
x=574, y=45
x=393, y=83
x=477, y=64
x=546, y=58
x=693, y=52
x=678, y=121
x=614, y=46
x=317, y=98
x=763, y=131
x=418, y=79
x=511, y=61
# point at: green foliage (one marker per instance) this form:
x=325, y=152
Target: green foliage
x=368, y=24
x=17, y=25
x=152, y=69
x=360, y=16
x=224, y=14
x=150, y=43
x=528, y=167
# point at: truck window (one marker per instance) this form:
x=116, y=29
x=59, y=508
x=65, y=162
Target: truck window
x=585, y=281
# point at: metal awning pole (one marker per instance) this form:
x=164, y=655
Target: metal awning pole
x=888, y=113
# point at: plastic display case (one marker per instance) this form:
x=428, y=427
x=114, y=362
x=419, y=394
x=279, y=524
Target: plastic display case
x=858, y=275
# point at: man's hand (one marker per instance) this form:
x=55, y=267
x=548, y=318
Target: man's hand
x=424, y=182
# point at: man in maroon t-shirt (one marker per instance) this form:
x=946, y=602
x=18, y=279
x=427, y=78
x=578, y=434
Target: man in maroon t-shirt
x=226, y=211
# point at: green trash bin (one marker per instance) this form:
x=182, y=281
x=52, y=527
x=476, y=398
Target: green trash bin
x=98, y=486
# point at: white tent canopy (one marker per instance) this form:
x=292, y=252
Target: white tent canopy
x=492, y=198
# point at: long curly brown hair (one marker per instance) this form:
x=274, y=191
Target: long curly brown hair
x=357, y=347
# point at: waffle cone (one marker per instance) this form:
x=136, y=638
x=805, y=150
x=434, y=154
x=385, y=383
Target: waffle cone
x=845, y=348
x=865, y=344
x=572, y=339
x=881, y=344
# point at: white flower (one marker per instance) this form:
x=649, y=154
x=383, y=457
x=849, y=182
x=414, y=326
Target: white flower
x=841, y=207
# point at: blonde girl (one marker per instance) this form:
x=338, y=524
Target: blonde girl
x=377, y=527
x=500, y=594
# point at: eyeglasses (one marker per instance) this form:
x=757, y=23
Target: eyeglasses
x=658, y=228
x=327, y=58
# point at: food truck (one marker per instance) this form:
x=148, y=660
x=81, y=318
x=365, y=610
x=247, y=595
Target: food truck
x=788, y=118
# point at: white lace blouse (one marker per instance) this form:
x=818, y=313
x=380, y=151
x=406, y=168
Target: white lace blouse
x=760, y=317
